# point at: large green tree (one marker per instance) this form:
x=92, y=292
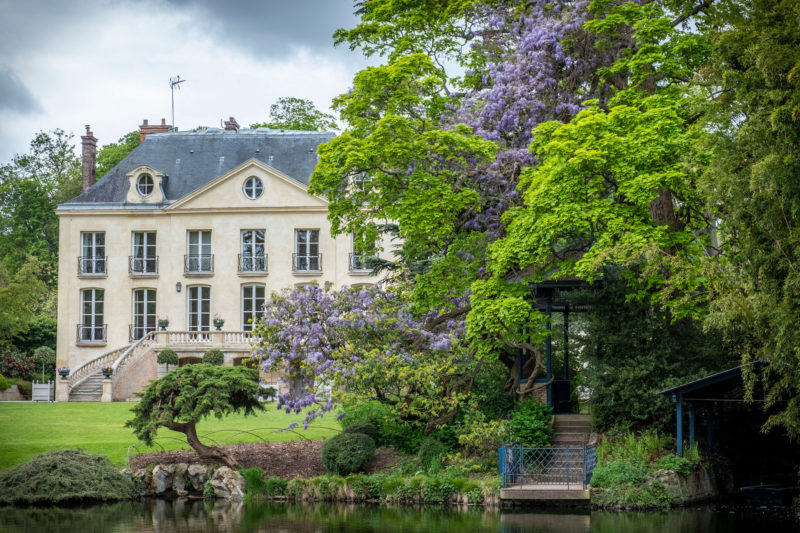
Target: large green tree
x=190, y=393
x=112, y=153
x=290, y=113
x=753, y=183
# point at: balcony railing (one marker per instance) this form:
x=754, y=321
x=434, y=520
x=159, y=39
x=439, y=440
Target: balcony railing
x=91, y=333
x=143, y=266
x=92, y=266
x=252, y=264
x=198, y=264
x=358, y=263
x=137, y=331
x=306, y=263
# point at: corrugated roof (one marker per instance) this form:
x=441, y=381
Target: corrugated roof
x=192, y=159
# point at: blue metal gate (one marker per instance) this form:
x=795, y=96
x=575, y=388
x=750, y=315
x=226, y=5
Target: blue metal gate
x=562, y=465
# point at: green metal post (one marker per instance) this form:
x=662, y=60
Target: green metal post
x=566, y=345
x=679, y=428
x=691, y=425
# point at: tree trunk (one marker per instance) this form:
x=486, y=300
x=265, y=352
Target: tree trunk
x=205, y=453
x=662, y=209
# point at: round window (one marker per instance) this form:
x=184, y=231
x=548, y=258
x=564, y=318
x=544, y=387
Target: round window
x=144, y=184
x=253, y=187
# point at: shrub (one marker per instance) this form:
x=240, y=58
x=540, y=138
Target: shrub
x=65, y=475
x=14, y=364
x=437, y=489
x=530, y=423
x=650, y=496
x=169, y=357
x=347, y=453
x=681, y=465
x=619, y=473
x=404, y=437
x=366, y=428
x=214, y=357
x=4, y=384
x=430, y=454
x=25, y=387
x=275, y=486
x=254, y=480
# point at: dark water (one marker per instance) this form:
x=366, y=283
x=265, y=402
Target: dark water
x=201, y=517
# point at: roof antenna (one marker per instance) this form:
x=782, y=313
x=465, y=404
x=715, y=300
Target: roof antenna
x=173, y=83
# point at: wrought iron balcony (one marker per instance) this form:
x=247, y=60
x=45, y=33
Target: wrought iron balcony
x=137, y=331
x=198, y=264
x=92, y=266
x=143, y=266
x=91, y=334
x=253, y=264
x=359, y=263
x=307, y=263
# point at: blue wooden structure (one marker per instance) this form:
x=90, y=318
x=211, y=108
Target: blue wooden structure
x=707, y=392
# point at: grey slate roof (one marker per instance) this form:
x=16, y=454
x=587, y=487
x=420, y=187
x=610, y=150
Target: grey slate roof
x=192, y=159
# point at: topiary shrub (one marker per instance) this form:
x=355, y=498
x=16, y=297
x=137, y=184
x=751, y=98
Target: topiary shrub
x=530, y=423
x=44, y=359
x=366, y=428
x=214, y=357
x=4, y=384
x=65, y=475
x=168, y=357
x=347, y=453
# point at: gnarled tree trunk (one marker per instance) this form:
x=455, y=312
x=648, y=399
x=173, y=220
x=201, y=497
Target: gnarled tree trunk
x=205, y=453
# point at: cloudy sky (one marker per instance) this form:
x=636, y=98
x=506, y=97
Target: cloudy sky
x=107, y=63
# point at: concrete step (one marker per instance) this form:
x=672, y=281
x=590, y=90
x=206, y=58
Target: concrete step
x=569, y=438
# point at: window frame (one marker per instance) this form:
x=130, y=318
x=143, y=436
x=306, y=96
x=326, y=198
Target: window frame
x=145, y=180
x=254, y=300
x=253, y=187
x=204, y=322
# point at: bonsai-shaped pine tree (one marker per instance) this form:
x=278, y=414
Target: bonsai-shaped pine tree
x=188, y=394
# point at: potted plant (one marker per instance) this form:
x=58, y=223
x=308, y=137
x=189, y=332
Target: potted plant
x=163, y=322
x=63, y=372
x=218, y=321
x=107, y=371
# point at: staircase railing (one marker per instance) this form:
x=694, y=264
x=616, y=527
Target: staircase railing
x=131, y=355
x=543, y=465
x=93, y=365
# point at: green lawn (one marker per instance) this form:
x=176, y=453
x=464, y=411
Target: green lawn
x=28, y=429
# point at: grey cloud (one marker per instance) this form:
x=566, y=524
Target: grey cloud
x=272, y=28
x=14, y=95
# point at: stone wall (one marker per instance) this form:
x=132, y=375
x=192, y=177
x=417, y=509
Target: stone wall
x=12, y=394
x=195, y=479
x=137, y=376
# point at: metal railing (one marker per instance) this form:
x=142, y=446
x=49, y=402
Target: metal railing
x=358, y=262
x=562, y=465
x=306, y=263
x=198, y=264
x=137, y=331
x=91, y=333
x=252, y=263
x=92, y=266
x=142, y=266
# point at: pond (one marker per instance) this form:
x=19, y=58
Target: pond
x=199, y=517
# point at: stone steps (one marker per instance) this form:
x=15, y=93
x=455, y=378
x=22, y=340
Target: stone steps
x=88, y=390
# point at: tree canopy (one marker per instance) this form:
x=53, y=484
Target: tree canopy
x=186, y=395
x=291, y=113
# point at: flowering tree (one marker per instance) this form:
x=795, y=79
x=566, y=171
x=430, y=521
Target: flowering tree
x=365, y=343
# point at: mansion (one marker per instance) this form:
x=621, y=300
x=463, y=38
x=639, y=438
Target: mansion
x=180, y=245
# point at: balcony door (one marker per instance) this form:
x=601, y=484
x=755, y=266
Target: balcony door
x=252, y=304
x=254, y=258
x=307, y=250
x=91, y=328
x=144, y=313
x=199, y=308
x=143, y=260
x=199, y=252
x=93, y=253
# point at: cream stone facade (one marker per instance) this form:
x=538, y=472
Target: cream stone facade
x=189, y=245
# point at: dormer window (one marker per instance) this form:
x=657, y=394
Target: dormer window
x=253, y=187
x=144, y=184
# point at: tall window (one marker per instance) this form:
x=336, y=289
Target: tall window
x=254, y=256
x=144, y=313
x=359, y=259
x=91, y=328
x=307, y=257
x=252, y=304
x=199, y=308
x=199, y=258
x=144, y=260
x=93, y=250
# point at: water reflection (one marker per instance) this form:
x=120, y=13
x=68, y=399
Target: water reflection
x=192, y=516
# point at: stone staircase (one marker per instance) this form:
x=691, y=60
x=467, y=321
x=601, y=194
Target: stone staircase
x=571, y=430
x=88, y=390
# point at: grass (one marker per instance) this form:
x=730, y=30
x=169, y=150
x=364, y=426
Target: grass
x=30, y=429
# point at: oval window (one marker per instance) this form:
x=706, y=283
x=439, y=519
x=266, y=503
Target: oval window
x=144, y=184
x=253, y=187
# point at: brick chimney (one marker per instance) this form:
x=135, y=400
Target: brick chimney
x=88, y=159
x=231, y=125
x=146, y=129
